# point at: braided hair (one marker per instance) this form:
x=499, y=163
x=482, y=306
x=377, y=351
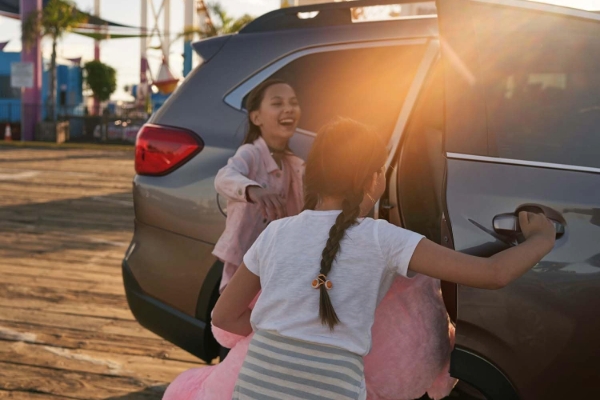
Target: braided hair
x=341, y=162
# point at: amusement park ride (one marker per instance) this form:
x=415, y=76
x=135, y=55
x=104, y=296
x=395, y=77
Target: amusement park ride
x=154, y=35
x=196, y=17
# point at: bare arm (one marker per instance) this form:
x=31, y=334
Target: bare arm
x=487, y=273
x=231, y=313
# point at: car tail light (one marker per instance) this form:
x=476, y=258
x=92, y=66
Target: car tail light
x=162, y=149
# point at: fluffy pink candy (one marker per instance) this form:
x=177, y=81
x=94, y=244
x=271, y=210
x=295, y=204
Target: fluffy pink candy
x=412, y=340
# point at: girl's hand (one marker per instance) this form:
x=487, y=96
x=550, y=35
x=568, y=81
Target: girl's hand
x=537, y=225
x=494, y=272
x=271, y=204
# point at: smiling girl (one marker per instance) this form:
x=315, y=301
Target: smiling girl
x=263, y=180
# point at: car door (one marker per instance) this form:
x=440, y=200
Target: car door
x=522, y=130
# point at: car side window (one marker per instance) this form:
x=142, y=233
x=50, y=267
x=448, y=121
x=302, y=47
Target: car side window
x=366, y=84
x=542, y=89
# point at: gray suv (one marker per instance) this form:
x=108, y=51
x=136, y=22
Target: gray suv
x=489, y=106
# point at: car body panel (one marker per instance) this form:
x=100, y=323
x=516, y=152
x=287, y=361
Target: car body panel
x=190, y=333
x=174, y=276
x=533, y=328
x=541, y=330
x=184, y=202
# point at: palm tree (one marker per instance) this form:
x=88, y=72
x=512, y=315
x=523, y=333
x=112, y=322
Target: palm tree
x=57, y=17
x=226, y=23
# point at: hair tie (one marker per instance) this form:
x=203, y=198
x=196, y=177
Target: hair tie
x=322, y=280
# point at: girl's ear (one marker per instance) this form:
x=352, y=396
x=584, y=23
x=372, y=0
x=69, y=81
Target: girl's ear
x=255, y=117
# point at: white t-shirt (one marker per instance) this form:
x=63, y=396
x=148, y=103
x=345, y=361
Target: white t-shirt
x=287, y=257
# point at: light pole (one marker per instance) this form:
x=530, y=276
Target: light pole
x=31, y=96
x=96, y=103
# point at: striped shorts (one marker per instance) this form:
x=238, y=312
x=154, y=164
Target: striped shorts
x=277, y=367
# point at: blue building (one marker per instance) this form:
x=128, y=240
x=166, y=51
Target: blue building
x=69, y=89
x=10, y=99
x=69, y=92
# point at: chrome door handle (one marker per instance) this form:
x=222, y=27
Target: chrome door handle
x=508, y=224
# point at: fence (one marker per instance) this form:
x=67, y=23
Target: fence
x=121, y=128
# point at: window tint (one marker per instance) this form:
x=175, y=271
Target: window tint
x=542, y=88
x=367, y=84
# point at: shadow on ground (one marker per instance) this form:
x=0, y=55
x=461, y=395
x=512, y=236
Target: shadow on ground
x=92, y=222
x=150, y=393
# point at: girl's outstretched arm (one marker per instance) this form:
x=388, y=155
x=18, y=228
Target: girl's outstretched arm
x=232, y=180
x=232, y=312
x=487, y=273
x=233, y=183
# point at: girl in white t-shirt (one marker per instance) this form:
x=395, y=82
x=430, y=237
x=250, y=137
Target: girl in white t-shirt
x=323, y=272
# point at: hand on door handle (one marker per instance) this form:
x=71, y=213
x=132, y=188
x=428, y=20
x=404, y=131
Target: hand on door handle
x=508, y=224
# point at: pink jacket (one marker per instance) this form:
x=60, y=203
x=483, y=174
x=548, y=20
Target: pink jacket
x=252, y=165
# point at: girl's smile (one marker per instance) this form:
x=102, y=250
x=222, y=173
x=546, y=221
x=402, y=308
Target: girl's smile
x=278, y=115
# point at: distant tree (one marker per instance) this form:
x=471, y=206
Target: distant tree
x=56, y=18
x=101, y=79
x=226, y=23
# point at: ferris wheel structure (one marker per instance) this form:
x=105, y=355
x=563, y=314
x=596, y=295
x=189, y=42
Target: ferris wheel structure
x=155, y=24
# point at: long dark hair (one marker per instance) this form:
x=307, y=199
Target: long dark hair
x=253, y=102
x=341, y=162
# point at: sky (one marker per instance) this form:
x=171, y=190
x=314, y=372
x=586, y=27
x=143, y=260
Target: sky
x=124, y=54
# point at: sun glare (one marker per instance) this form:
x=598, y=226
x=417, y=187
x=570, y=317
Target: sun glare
x=588, y=5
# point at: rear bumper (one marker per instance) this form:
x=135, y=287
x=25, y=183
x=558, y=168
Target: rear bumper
x=184, y=331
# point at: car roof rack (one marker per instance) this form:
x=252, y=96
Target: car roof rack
x=329, y=14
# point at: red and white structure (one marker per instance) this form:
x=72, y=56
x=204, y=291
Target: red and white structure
x=152, y=12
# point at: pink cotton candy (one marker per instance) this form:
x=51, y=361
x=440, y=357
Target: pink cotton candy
x=215, y=382
x=188, y=385
x=212, y=382
x=412, y=340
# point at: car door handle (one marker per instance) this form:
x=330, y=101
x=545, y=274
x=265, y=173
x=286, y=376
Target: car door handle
x=386, y=205
x=508, y=224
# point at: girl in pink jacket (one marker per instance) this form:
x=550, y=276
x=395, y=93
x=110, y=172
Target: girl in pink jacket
x=263, y=180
